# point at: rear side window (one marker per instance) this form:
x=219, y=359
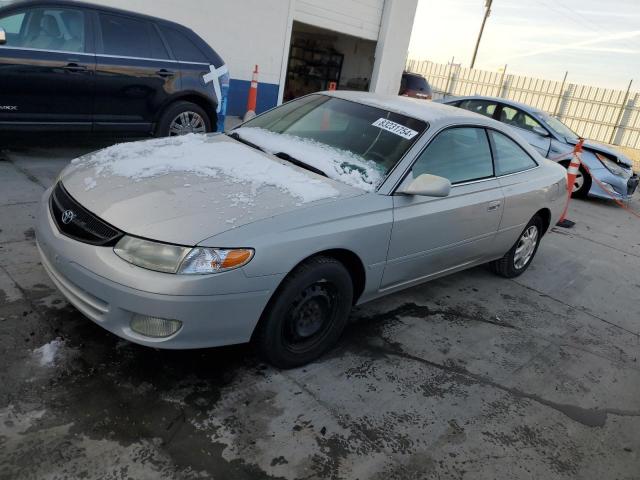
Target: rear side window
x=183, y=48
x=458, y=154
x=130, y=37
x=510, y=157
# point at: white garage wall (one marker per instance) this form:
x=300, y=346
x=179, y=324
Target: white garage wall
x=360, y=18
x=243, y=32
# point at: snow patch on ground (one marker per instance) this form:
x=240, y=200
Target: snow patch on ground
x=46, y=354
x=200, y=156
x=341, y=165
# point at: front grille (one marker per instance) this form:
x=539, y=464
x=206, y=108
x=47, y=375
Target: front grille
x=75, y=221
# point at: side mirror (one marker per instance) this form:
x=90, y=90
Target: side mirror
x=3, y=36
x=428, y=186
x=540, y=131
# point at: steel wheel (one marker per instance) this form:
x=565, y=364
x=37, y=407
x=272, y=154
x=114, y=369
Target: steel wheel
x=187, y=122
x=525, y=247
x=311, y=316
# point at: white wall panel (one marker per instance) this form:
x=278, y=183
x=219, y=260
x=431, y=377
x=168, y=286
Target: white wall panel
x=360, y=18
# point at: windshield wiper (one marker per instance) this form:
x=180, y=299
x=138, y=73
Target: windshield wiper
x=299, y=163
x=237, y=137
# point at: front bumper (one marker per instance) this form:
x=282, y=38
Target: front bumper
x=215, y=310
x=619, y=188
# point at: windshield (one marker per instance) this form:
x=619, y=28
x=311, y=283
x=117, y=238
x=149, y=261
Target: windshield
x=348, y=141
x=557, y=126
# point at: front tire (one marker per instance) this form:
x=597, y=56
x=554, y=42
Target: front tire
x=307, y=314
x=516, y=261
x=181, y=118
x=582, y=183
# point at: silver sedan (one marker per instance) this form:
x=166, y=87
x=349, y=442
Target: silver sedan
x=275, y=230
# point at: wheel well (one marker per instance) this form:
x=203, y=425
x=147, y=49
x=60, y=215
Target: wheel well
x=352, y=263
x=545, y=215
x=208, y=106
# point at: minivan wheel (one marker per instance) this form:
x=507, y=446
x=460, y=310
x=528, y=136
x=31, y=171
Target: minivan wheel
x=307, y=314
x=181, y=118
x=516, y=261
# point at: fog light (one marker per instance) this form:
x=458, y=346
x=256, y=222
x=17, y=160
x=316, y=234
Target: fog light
x=154, y=327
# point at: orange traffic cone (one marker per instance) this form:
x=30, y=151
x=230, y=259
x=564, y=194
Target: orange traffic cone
x=253, y=96
x=572, y=173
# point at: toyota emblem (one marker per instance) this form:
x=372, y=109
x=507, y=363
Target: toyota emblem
x=68, y=216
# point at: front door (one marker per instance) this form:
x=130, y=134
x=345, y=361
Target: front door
x=435, y=235
x=46, y=69
x=525, y=126
x=134, y=74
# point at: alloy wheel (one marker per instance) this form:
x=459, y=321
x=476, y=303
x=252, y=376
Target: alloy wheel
x=526, y=247
x=578, y=182
x=187, y=122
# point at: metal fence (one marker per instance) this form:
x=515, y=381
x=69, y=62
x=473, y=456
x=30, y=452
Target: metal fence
x=609, y=116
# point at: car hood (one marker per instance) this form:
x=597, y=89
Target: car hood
x=605, y=149
x=183, y=190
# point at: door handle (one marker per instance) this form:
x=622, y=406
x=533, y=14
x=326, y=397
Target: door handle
x=493, y=206
x=75, y=67
x=165, y=73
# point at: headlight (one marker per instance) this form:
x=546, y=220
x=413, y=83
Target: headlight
x=612, y=166
x=165, y=258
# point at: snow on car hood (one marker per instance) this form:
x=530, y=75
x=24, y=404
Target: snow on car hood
x=185, y=189
x=338, y=164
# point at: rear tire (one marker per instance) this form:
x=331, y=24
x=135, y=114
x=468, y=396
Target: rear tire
x=307, y=314
x=181, y=118
x=516, y=261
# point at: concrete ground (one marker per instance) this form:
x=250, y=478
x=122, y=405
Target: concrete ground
x=468, y=377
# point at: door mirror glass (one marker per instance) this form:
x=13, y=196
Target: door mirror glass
x=540, y=131
x=427, y=185
x=3, y=36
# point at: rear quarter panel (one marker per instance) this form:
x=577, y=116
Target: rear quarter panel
x=525, y=194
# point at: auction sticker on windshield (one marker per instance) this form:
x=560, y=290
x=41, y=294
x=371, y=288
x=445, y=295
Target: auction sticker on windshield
x=395, y=128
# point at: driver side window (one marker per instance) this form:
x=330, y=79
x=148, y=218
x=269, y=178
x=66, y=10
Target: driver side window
x=517, y=118
x=460, y=154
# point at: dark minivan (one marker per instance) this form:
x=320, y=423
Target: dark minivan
x=66, y=65
x=415, y=86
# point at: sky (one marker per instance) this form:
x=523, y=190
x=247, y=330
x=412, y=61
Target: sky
x=596, y=41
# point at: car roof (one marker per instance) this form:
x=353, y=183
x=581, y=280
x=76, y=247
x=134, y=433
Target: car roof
x=505, y=101
x=94, y=6
x=430, y=112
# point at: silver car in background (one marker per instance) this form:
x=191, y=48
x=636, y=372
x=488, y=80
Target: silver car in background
x=274, y=231
x=554, y=140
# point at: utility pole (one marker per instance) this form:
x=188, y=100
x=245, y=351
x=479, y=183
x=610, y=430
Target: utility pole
x=487, y=12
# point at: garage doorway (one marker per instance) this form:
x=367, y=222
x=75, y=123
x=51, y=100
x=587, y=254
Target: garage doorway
x=318, y=57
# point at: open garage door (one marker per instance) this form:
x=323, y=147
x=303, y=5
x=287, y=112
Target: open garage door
x=319, y=57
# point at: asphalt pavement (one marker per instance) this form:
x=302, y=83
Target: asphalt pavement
x=468, y=377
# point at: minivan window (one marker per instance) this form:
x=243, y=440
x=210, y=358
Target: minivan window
x=460, y=154
x=183, y=48
x=55, y=29
x=129, y=37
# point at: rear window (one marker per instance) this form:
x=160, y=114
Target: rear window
x=414, y=82
x=183, y=48
x=130, y=37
